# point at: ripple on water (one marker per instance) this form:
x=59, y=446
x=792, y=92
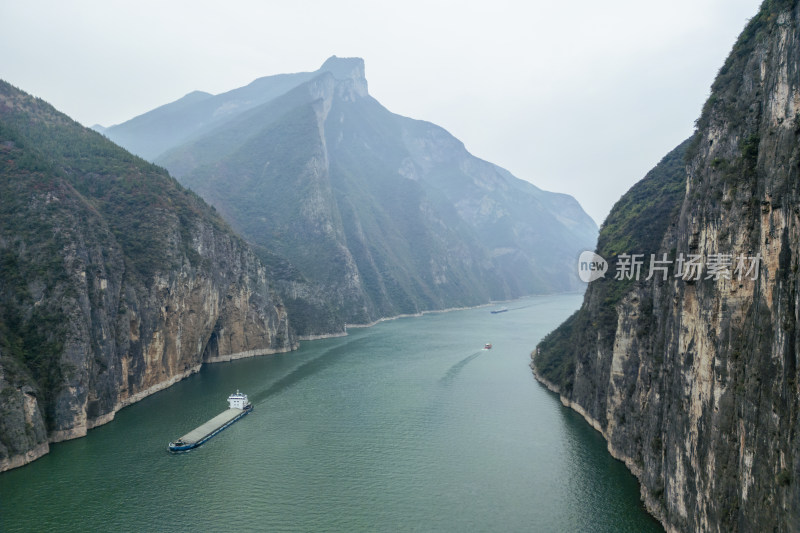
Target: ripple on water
x=406, y=426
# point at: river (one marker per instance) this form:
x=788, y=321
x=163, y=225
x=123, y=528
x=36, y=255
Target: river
x=408, y=425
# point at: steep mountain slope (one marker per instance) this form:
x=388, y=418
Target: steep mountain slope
x=693, y=379
x=378, y=215
x=115, y=281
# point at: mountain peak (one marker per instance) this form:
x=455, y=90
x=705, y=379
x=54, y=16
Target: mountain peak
x=349, y=69
x=344, y=68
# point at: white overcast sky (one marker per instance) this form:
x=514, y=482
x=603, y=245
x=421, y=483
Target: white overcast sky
x=581, y=96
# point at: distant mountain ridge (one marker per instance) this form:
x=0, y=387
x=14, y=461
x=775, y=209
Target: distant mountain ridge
x=167, y=126
x=362, y=214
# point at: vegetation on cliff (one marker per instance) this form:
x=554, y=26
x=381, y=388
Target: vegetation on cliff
x=104, y=259
x=694, y=382
x=636, y=225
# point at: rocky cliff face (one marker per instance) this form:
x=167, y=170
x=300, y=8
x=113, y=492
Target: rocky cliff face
x=116, y=281
x=694, y=382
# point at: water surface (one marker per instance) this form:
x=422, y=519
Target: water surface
x=405, y=426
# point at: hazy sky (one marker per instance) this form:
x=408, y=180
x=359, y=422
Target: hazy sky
x=582, y=97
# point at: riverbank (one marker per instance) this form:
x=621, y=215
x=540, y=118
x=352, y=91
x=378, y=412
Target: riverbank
x=81, y=430
x=401, y=424
x=436, y=311
x=397, y=317
x=90, y=423
x=629, y=462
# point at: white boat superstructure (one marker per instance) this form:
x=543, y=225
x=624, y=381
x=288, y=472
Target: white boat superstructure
x=238, y=400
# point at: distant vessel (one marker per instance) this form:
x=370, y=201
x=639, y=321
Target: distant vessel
x=238, y=405
x=487, y=346
x=501, y=310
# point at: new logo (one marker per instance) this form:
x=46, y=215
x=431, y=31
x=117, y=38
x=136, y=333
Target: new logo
x=591, y=267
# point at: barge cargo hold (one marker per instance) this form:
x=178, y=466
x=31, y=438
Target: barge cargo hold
x=239, y=407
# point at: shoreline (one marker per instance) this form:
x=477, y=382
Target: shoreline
x=82, y=430
x=91, y=423
x=629, y=463
x=322, y=336
x=450, y=309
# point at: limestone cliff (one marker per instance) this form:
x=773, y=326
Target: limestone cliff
x=693, y=380
x=116, y=281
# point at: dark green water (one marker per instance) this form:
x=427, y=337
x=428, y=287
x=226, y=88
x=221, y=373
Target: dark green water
x=405, y=426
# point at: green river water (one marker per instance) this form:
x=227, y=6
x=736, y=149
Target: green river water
x=405, y=426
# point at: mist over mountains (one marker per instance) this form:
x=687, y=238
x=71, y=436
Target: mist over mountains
x=116, y=281
x=361, y=213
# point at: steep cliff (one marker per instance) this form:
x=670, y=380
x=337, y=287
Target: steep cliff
x=692, y=377
x=375, y=214
x=115, y=281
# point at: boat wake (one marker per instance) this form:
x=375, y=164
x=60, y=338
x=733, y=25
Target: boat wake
x=454, y=370
x=304, y=370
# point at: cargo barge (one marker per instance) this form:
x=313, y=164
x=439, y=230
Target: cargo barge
x=238, y=405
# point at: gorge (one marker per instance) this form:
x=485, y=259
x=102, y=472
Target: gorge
x=117, y=281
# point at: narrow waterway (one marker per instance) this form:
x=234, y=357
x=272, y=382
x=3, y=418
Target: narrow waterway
x=405, y=426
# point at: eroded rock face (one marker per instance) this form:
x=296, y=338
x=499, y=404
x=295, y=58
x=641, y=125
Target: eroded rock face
x=165, y=331
x=695, y=383
x=116, y=282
